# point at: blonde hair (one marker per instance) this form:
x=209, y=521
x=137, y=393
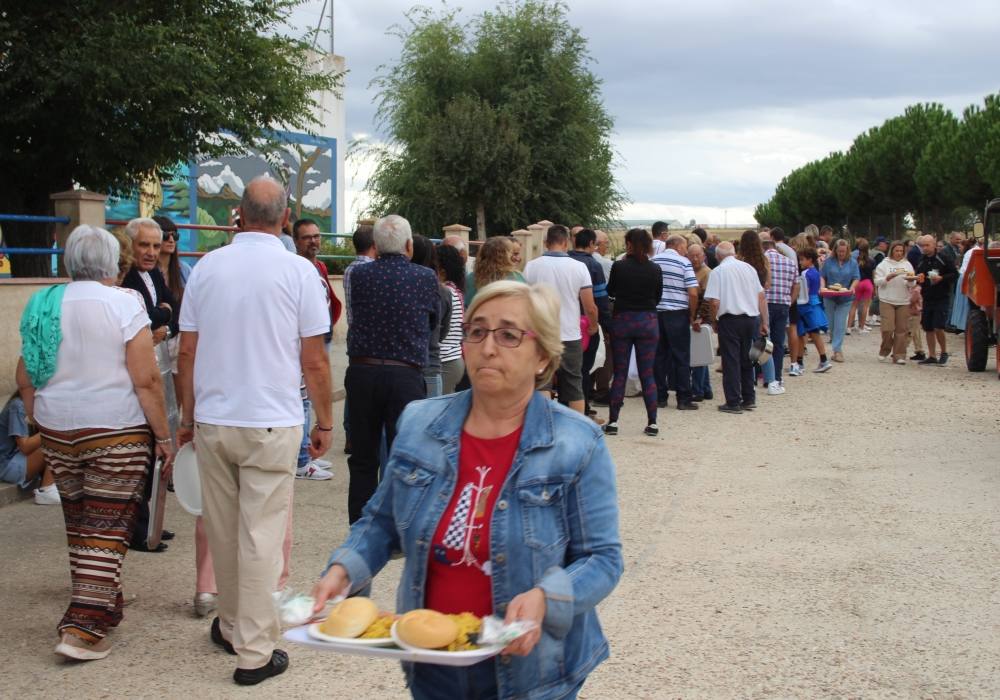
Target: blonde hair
x=125, y=257
x=543, y=318
x=494, y=261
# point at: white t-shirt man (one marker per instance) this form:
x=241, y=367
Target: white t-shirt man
x=251, y=304
x=567, y=277
x=737, y=287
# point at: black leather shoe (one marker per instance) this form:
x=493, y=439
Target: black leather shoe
x=276, y=666
x=662, y=403
x=143, y=547
x=697, y=398
x=687, y=406
x=726, y=408
x=218, y=639
x=167, y=535
x=748, y=405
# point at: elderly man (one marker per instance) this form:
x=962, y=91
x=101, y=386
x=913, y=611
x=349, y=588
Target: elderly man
x=710, y=244
x=246, y=340
x=145, y=278
x=459, y=244
x=571, y=282
x=936, y=277
x=394, y=306
x=783, y=289
x=676, y=314
x=701, y=385
x=739, y=314
x=603, y=244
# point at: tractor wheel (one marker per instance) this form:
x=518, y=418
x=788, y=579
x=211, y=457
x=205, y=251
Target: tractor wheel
x=977, y=340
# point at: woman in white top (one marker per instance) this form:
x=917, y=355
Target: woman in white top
x=894, y=302
x=100, y=411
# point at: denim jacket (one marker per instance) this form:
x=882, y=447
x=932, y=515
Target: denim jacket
x=555, y=526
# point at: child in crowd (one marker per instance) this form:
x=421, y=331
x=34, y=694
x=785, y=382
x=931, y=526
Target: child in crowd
x=21, y=460
x=812, y=320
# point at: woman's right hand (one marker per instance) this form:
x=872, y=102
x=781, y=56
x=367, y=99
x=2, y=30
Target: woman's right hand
x=166, y=452
x=335, y=583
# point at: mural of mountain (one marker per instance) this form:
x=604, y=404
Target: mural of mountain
x=216, y=185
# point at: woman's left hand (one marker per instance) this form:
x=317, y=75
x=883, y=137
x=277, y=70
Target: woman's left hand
x=165, y=451
x=529, y=605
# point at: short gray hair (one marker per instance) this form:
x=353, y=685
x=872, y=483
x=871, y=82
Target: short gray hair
x=724, y=250
x=391, y=234
x=133, y=226
x=264, y=207
x=674, y=240
x=91, y=254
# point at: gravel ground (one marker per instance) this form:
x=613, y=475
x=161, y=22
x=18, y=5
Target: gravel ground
x=841, y=541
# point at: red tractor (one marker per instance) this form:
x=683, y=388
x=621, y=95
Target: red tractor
x=980, y=285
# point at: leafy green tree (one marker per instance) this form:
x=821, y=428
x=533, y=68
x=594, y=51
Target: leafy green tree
x=106, y=93
x=496, y=123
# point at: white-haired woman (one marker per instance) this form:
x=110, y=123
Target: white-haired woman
x=90, y=382
x=503, y=503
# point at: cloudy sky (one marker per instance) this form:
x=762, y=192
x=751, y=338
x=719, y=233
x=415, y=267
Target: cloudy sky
x=715, y=101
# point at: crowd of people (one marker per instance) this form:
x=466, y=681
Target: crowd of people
x=470, y=418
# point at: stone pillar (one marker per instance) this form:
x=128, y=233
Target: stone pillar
x=80, y=207
x=528, y=252
x=537, y=239
x=458, y=230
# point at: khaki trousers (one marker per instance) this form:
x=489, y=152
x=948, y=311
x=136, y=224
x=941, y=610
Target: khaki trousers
x=895, y=324
x=916, y=333
x=246, y=484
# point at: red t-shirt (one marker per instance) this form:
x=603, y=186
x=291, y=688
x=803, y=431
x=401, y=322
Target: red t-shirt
x=458, y=573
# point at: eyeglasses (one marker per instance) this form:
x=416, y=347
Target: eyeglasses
x=505, y=337
x=171, y=234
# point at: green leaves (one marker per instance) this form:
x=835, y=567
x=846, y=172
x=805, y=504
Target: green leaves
x=924, y=162
x=501, y=113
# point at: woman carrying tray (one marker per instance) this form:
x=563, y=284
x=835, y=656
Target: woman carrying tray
x=503, y=503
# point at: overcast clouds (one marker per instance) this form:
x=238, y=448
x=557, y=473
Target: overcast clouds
x=715, y=102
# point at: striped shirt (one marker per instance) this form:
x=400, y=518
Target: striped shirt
x=784, y=274
x=451, y=346
x=678, y=278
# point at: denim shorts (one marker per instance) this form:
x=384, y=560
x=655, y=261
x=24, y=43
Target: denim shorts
x=15, y=470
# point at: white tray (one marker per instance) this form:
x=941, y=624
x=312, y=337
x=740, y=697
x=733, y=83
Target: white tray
x=300, y=635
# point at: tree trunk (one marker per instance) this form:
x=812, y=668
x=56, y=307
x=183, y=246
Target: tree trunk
x=480, y=221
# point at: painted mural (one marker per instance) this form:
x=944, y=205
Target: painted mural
x=207, y=191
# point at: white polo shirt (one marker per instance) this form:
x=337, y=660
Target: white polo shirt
x=736, y=285
x=567, y=277
x=251, y=302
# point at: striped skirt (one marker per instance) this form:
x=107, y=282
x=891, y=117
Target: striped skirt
x=100, y=473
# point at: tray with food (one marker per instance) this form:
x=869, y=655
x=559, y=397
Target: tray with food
x=836, y=290
x=356, y=626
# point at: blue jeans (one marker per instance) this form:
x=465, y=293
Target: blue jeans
x=304, y=447
x=777, y=325
x=434, y=384
x=477, y=682
x=836, y=315
x=701, y=384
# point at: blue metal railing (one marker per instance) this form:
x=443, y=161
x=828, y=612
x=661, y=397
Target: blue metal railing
x=28, y=218
x=32, y=251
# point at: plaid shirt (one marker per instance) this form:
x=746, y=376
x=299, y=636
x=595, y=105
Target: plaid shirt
x=784, y=274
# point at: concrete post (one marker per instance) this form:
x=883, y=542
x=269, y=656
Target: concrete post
x=528, y=252
x=458, y=230
x=537, y=239
x=80, y=207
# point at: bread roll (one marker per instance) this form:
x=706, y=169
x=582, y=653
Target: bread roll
x=350, y=618
x=426, y=629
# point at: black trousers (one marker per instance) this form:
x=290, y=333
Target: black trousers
x=673, y=355
x=736, y=334
x=377, y=395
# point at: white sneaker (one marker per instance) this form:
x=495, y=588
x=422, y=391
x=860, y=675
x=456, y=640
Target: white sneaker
x=874, y=321
x=322, y=463
x=883, y=358
x=824, y=367
x=795, y=370
x=775, y=389
x=900, y=361
x=204, y=603
x=47, y=496
x=313, y=472
x=866, y=330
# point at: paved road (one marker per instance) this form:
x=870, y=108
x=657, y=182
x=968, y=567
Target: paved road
x=843, y=540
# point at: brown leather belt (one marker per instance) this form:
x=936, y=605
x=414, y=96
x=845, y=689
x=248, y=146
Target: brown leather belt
x=380, y=361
